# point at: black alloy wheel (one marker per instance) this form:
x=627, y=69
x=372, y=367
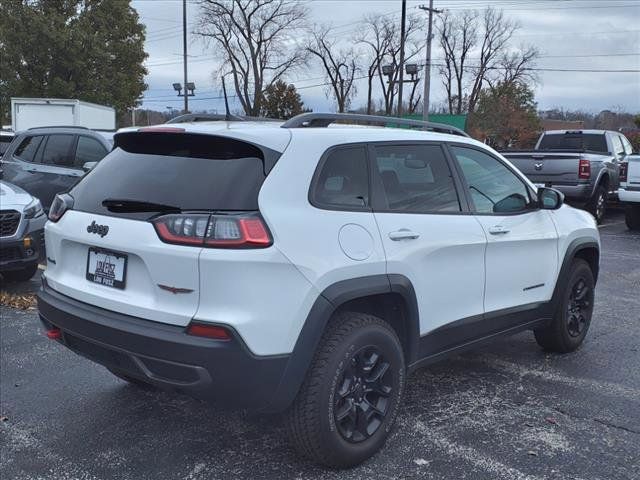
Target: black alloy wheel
x=362, y=395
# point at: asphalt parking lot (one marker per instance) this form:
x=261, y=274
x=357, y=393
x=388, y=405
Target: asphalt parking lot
x=508, y=411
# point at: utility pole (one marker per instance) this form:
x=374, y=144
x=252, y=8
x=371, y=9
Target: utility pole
x=401, y=66
x=427, y=65
x=227, y=114
x=184, y=52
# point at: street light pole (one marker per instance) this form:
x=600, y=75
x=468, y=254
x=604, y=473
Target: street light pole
x=184, y=52
x=401, y=66
x=427, y=66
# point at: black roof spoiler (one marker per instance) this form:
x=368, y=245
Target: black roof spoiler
x=309, y=120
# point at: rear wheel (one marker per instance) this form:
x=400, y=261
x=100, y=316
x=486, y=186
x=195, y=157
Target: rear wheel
x=571, y=321
x=598, y=205
x=21, y=275
x=632, y=217
x=348, y=403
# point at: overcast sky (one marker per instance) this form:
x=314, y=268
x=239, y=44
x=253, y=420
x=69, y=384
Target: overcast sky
x=570, y=34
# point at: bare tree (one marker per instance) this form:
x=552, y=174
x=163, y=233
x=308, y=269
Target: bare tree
x=497, y=31
x=487, y=37
x=457, y=36
x=255, y=39
x=377, y=34
x=382, y=36
x=339, y=64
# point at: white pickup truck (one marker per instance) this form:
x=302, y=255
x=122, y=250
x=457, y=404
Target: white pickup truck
x=629, y=191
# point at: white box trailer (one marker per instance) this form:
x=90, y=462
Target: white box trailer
x=48, y=112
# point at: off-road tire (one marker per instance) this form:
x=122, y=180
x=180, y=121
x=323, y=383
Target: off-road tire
x=561, y=335
x=632, y=217
x=311, y=421
x=598, y=204
x=22, y=275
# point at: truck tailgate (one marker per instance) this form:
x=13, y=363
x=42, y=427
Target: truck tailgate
x=554, y=168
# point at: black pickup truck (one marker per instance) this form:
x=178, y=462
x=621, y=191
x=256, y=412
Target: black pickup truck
x=582, y=164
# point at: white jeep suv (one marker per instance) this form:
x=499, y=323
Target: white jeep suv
x=307, y=267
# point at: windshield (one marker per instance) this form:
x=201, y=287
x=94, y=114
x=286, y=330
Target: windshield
x=595, y=142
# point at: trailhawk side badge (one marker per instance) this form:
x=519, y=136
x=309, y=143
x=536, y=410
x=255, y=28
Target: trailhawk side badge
x=101, y=230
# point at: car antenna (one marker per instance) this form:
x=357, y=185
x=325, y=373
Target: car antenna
x=227, y=115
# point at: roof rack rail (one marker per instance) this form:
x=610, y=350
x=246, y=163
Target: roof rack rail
x=212, y=117
x=325, y=119
x=59, y=126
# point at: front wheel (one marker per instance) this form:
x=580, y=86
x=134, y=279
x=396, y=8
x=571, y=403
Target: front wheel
x=349, y=400
x=572, y=318
x=632, y=217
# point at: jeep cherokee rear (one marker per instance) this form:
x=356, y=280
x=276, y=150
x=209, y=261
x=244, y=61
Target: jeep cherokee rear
x=307, y=270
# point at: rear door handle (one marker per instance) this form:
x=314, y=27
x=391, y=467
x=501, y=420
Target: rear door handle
x=498, y=230
x=403, y=234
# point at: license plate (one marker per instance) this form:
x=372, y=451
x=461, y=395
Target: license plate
x=106, y=267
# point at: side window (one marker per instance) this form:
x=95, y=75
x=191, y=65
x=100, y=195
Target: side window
x=416, y=179
x=88, y=150
x=28, y=148
x=493, y=187
x=57, y=151
x=343, y=181
x=617, y=145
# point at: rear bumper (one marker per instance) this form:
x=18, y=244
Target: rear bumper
x=626, y=195
x=577, y=193
x=164, y=355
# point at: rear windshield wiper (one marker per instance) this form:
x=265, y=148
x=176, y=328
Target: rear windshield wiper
x=122, y=205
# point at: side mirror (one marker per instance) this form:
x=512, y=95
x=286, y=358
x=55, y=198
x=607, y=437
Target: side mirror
x=549, y=198
x=88, y=166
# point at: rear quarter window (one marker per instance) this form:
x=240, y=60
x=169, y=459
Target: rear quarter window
x=28, y=148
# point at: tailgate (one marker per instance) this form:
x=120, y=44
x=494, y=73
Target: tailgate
x=554, y=168
x=149, y=264
x=633, y=171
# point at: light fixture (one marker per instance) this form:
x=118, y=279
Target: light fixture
x=411, y=69
x=387, y=70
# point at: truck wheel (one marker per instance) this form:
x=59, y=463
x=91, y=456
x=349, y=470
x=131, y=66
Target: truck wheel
x=21, y=275
x=632, y=217
x=350, y=398
x=598, y=204
x=571, y=321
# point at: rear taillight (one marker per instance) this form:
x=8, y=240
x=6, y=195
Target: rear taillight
x=245, y=230
x=208, y=331
x=624, y=168
x=61, y=203
x=584, y=169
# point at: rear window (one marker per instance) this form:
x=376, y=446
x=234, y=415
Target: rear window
x=595, y=142
x=186, y=171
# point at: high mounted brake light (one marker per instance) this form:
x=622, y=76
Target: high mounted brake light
x=242, y=230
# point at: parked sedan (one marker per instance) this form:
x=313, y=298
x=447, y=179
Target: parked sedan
x=49, y=160
x=22, y=222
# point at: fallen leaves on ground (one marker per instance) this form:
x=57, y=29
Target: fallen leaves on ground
x=23, y=301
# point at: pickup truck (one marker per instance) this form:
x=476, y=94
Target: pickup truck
x=629, y=192
x=582, y=164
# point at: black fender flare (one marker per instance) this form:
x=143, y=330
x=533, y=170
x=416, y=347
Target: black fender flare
x=578, y=244
x=323, y=308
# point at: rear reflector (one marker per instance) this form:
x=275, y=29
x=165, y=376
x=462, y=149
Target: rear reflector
x=584, y=169
x=244, y=230
x=54, y=334
x=208, y=331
